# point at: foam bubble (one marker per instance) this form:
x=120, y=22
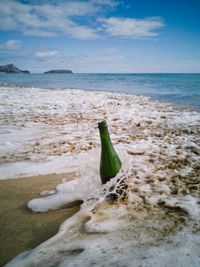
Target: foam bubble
x=154, y=213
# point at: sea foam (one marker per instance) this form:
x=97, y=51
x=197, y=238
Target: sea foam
x=155, y=217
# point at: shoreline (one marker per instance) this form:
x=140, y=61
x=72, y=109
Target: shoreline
x=78, y=84
x=21, y=229
x=50, y=131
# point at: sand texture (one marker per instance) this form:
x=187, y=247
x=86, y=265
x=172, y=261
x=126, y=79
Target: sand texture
x=21, y=229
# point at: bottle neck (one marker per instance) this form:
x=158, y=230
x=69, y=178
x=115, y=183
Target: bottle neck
x=105, y=137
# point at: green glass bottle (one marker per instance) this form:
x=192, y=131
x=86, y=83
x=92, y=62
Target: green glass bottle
x=110, y=163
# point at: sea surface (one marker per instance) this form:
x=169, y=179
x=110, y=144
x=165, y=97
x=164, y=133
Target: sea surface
x=48, y=125
x=181, y=89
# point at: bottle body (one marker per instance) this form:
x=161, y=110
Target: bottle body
x=110, y=163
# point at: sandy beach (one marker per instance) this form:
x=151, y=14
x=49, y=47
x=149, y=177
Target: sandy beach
x=49, y=138
x=21, y=229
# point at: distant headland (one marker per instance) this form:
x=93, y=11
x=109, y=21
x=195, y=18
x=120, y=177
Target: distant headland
x=58, y=71
x=10, y=68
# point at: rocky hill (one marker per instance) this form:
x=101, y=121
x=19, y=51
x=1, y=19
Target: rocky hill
x=58, y=71
x=10, y=68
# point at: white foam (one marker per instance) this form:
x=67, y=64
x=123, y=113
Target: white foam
x=51, y=164
x=187, y=203
x=55, y=131
x=88, y=186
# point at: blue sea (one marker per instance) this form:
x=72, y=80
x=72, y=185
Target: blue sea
x=182, y=89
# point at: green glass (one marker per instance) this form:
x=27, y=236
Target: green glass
x=110, y=163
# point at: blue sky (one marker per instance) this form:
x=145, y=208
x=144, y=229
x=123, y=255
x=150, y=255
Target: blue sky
x=101, y=35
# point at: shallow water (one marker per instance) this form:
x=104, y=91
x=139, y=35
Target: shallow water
x=182, y=89
x=55, y=131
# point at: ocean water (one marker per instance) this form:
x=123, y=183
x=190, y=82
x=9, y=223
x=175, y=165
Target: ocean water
x=181, y=89
x=46, y=129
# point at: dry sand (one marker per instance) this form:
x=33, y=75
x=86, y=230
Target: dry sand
x=20, y=229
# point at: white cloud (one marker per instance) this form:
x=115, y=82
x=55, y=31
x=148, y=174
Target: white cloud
x=132, y=28
x=48, y=20
x=52, y=53
x=11, y=45
x=73, y=19
x=83, y=33
x=37, y=32
x=111, y=3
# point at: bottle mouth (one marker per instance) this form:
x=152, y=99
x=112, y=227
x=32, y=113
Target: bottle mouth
x=102, y=125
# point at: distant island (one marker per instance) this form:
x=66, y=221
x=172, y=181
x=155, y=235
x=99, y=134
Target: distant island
x=10, y=68
x=58, y=71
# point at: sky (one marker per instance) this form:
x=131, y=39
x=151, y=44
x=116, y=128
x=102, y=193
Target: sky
x=100, y=36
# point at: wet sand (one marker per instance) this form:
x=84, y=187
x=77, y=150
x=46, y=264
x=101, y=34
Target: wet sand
x=20, y=229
